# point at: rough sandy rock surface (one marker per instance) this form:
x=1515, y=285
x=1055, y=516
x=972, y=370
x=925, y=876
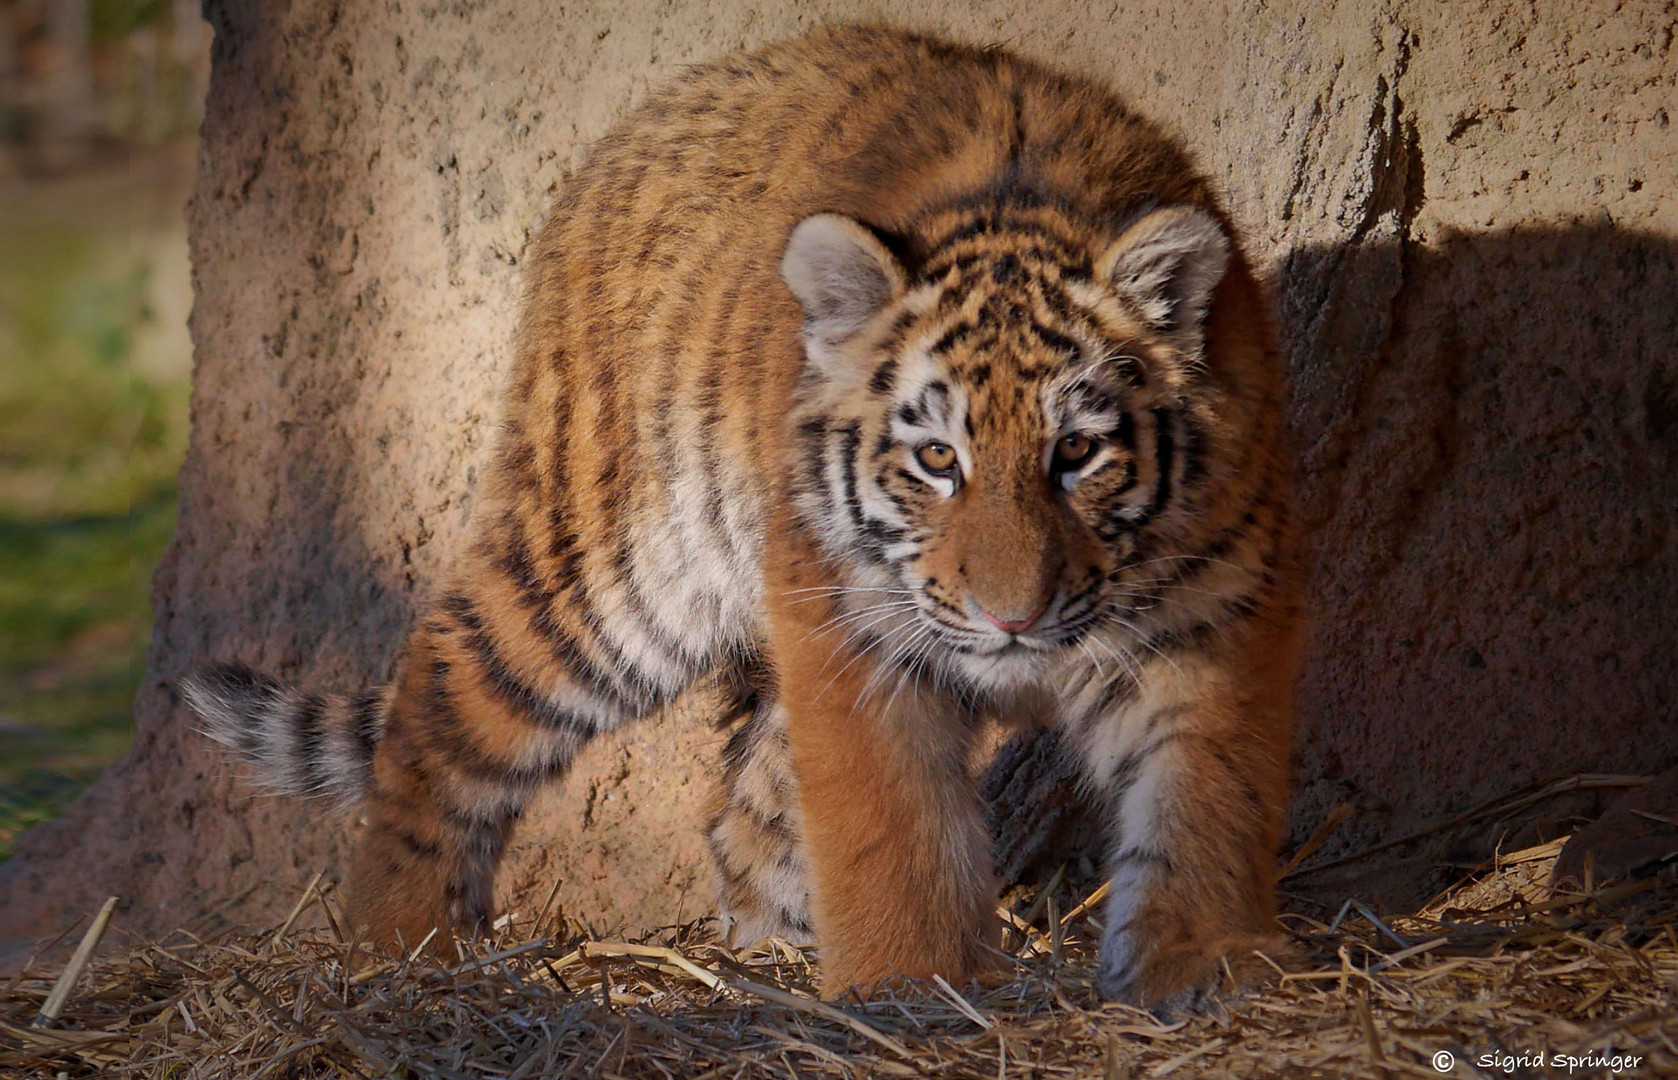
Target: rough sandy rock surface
x=1471, y=214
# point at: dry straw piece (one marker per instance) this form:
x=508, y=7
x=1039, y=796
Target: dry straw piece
x=1498, y=974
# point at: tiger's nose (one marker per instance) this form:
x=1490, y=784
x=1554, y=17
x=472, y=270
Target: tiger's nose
x=1015, y=626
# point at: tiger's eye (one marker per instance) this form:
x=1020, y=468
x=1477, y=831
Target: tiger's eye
x=936, y=457
x=1073, y=450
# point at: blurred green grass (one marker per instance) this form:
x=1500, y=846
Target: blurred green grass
x=93, y=423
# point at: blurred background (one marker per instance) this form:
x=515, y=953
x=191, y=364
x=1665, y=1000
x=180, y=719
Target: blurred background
x=100, y=103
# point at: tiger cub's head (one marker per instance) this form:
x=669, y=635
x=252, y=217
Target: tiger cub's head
x=993, y=443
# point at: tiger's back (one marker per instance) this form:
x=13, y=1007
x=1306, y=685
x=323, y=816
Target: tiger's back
x=660, y=347
x=716, y=456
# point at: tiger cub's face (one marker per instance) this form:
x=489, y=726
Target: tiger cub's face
x=990, y=447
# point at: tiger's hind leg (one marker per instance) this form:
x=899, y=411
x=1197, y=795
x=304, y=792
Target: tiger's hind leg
x=756, y=834
x=484, y=714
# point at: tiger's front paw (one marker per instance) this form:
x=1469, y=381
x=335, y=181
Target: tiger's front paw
x=1186, y=976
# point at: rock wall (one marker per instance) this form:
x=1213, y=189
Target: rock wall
x=1470, y=214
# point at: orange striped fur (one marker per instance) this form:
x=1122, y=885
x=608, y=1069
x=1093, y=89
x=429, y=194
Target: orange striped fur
x=903, y=384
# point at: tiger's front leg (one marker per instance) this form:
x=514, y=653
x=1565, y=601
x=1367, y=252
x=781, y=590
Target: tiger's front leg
x=894, y=830
x=1192, y=764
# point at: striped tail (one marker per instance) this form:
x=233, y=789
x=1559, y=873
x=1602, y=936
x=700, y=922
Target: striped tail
x=313, y=745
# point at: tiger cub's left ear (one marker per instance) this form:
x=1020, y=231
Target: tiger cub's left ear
x=842, y=276
x=1167, y=266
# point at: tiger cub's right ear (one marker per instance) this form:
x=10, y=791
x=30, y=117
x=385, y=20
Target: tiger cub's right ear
x=841, y=274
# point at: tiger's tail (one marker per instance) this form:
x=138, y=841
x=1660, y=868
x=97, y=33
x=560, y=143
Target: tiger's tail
x=295, y=742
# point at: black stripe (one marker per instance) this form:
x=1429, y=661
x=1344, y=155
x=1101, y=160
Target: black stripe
x=1004, y=205
x=1114, y=529
x=1126, y=467
x=1196, y=636
x=311, y=740
x=1127, y=369
x=743, y=740
x=1233, y=773
x=915, y=483
x=1194, y=452
x=536, y=594
x=1124, y=773
x=1067, y=262
x=1094, y=398
x=773, y=825
x=1058, y=341
x=880, y=533
x=1163, y=453
x=484, y=844
x=850, y=442
x=939, y=602
x=1114, y=694
x=415, y=846
x=664, y=434
x=513, y=691
x=366, y=716
x=467, y=820
x=673, y=648
x=250, y=689
x=936, y=390
x=1060, y=305
x=711, y=418
x=749, y=684
x=517, y=453
x=952, y=337
x=1017, y=138
x=729, y=861
x=563, y=549
x=635, y=603
x=1187, y=567
x=448, y=734
x=1163, y=713
x=884, y=377
x=539, y=600
x=978, y=225
x=514, y=556
x=812, y=442
x=1074, y=626
x=1125, y=433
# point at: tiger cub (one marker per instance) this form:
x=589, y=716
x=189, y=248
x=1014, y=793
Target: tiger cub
x=904, y=384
